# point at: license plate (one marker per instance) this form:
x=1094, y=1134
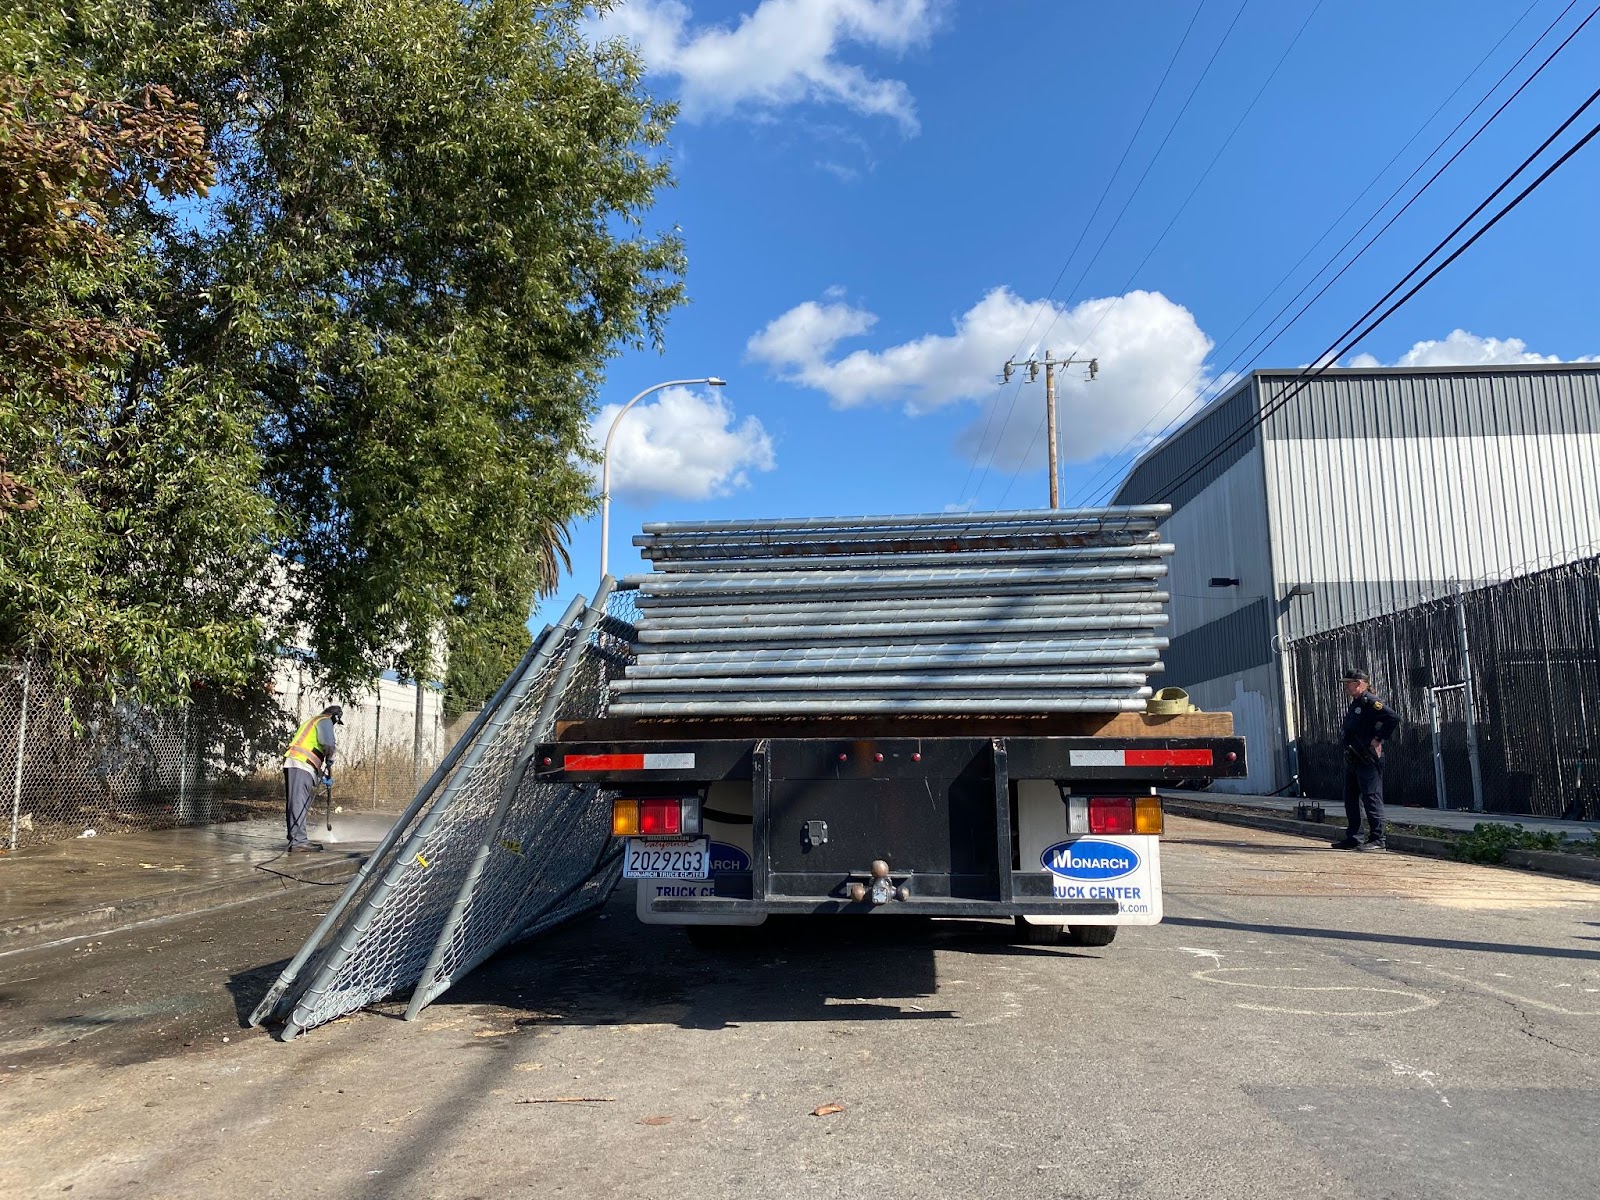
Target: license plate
x=667, y=858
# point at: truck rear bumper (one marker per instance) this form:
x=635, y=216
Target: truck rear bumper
x=923, y=906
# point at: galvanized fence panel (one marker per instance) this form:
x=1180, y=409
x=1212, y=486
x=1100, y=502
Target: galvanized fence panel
x=1533, y=649
x=973, y=613
x=494, y=855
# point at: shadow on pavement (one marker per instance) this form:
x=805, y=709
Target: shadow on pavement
x=1387, y=939
x=613, y=970
x=249, y=986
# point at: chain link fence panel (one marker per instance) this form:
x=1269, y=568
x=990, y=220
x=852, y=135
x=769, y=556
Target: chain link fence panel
x=1533, y=644
x=74, y=763
x=490, y=856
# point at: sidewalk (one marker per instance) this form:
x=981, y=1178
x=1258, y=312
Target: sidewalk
x=89, y=886
x=1403, y=814
x=1408, y=828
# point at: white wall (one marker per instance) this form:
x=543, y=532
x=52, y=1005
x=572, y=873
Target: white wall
x=1354, y=514
x=1255, y=699
x=379, y=719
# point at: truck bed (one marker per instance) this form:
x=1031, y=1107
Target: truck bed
x=1117, y=725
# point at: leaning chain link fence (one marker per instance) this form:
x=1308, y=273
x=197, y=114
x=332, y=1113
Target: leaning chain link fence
x=1533, y=646
x=491, y=854
x=75, y=764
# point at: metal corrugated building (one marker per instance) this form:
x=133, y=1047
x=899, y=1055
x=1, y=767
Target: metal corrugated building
x=1368, y=491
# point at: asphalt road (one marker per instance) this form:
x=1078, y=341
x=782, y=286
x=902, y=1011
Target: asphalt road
x=1305, y=1024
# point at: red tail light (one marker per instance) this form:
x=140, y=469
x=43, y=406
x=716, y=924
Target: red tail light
x=1110, y=814
x=661, y=816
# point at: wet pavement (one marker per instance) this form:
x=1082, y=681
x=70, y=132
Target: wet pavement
x=1305, y=1023
x=88, y=886
x=165, y=988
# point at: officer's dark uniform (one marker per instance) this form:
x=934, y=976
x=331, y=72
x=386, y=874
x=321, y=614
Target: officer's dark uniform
x=1367, y=719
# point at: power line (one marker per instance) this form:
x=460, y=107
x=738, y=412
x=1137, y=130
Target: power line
x=1249, y=347
x=1182, y=208
x=1089, y=266
x=1087, y=225
x=1336, y=350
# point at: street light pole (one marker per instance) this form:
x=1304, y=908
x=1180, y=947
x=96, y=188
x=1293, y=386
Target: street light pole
x=605, y=457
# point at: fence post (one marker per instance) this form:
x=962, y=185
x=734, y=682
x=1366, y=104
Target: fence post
x=183, y=768
x=1470, y=708
x=416, y=737
x=377, y=737
x=1550, y=699
x=22, y=742
x=1441, y=802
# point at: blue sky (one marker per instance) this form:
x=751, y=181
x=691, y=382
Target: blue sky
x=879, y=199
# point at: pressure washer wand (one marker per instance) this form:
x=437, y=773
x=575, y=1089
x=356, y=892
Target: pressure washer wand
x=327, y=793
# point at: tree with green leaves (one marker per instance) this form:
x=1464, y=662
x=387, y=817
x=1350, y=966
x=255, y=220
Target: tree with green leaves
x=483, y=647
x=131, y=523
x=384, y=327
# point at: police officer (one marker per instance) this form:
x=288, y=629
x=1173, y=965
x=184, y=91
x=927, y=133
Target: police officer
x=308, y=759
x=1368, y=724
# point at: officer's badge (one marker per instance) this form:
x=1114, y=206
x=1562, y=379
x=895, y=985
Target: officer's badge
x=1377, y=704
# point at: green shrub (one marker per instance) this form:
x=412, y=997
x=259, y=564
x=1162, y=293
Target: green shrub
x=1488, y=843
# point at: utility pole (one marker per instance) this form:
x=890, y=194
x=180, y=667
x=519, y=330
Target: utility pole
x=1049, y=364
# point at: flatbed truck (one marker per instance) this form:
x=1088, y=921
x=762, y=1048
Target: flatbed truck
x=1054, y=821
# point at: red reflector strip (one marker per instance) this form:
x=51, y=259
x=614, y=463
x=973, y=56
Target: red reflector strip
x=1167, y=758
x=628, y=762
x=604, y=762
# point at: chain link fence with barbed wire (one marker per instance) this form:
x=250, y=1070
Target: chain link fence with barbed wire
x=1529, y=645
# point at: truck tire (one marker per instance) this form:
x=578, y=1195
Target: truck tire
x=1091, y=935
x=1027, y=934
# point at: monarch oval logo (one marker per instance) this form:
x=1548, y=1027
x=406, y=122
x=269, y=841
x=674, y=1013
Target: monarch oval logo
x=1087, y=858
x=725, y=858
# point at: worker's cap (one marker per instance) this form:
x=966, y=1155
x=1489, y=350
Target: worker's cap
x=336, y=712
x=1356, y=677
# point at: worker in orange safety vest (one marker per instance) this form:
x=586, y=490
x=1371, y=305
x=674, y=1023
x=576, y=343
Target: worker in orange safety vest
x=308, y=759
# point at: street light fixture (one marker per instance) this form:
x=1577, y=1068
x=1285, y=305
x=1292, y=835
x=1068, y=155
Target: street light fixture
x=605, y=457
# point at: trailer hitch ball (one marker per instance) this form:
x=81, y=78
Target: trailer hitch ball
x=858, y=892
x=880, y=869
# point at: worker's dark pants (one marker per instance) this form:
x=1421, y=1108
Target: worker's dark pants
x=297, y=788
x=1363, y=789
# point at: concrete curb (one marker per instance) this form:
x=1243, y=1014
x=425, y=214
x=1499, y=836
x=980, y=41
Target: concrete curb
x=1570, y=866
x=180, y=902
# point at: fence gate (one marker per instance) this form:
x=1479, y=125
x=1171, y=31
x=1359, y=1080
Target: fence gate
x=1452, y=772
x=486, y=854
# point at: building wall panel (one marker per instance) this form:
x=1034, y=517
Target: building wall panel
x=1254, y=697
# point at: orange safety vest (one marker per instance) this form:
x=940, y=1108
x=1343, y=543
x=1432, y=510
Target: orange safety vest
x=306, y=746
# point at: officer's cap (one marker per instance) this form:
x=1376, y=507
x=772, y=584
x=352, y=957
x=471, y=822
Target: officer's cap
x=1356, y=677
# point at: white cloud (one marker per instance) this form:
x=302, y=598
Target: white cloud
x=785, y=52
x=684, y=445
x=1150, y=350
x=1463, y=349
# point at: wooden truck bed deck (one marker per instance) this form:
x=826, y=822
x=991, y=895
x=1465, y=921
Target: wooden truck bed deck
x=1121, y=725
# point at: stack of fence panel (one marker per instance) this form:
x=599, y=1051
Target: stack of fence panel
x=1020, y=612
